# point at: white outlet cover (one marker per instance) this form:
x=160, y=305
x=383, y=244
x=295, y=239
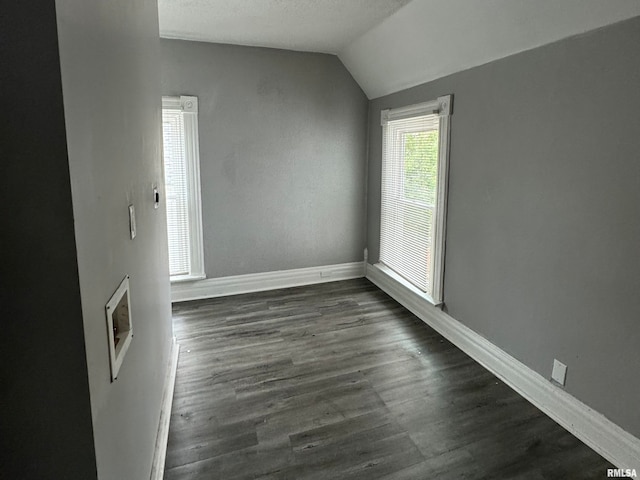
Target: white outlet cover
x=559, y=373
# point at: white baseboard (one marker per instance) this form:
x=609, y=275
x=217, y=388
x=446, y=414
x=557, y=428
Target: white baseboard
x=257, y=282
x=160, y=453
x=594, y=429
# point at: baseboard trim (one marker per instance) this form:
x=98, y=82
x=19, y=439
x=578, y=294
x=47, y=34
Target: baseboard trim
x=594, y=429
x=257, y=282
x=160, y=453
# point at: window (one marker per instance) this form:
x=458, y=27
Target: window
x=182, y=186
x=414, y=193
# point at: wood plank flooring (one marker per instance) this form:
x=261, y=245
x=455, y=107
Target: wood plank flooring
x=338, y=381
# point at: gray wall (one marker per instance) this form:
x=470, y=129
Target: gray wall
x=111, y=85
x=45, y=419
x=282, y=155
x=544, y=209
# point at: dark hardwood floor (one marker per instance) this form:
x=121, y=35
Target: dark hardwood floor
x=338, y=381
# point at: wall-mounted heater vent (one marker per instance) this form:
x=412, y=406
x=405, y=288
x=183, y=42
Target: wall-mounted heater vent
x=119, y=326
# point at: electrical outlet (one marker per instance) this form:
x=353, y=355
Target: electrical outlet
x=559, y=372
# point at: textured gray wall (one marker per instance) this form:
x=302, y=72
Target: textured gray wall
x=111, y=86
x=282, y=155
x=45, y=414
x=544, y=209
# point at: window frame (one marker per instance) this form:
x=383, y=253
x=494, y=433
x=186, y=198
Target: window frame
x=442, y=107
x=188, y=106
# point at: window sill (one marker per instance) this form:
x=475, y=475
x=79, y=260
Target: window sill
x=405, y=283
x=187, y=278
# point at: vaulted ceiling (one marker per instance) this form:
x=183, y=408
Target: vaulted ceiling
x=326, y=26
x=389, y=45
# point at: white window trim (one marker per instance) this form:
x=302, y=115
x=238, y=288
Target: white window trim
x=442, y=107
x=188, y=105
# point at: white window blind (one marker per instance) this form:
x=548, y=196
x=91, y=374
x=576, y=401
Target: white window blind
x=413, y=202
x=182, y=186
x=175, y=175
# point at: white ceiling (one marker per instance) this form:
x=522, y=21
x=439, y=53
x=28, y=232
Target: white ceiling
x=389, y=45
x=326, y=26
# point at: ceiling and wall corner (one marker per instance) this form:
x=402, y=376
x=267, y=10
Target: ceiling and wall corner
x=324, y=26
x=391, y=45
x=429, y=39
